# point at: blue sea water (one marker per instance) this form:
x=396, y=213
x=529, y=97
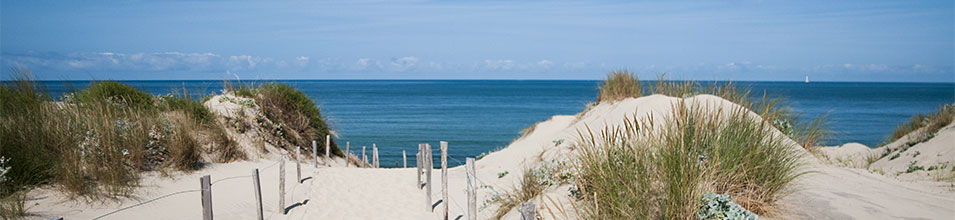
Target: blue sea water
x=477, y=116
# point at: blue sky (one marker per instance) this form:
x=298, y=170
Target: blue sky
x=728, y=40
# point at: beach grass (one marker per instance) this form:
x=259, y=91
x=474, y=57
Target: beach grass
x=929, y=122
x=634, y=172
x=807, y=132
x=529, y=187
x=620, y=84
x=302, y=120
x=630, y=172
x=94, y=143
x=13, y=206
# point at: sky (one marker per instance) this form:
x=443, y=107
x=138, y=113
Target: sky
x=891, y=41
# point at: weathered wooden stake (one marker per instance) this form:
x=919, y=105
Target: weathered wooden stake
x=364, y=159
x=472, y=185
x=258, y=194
x=347, y=153
x=374, y=155
x=298, y=165
x=444, y=178
x=418, y=165
x=404, y=157
x=282, y=185
x=429, y=160
x=315, y=152
x=528, y=211
x=206, y=184
x=328, y=147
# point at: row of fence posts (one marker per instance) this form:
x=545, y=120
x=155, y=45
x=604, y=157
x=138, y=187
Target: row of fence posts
x=424, y=167
x=206, y=184
x=425, y=159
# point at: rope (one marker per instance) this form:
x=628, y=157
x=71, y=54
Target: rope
x=270, y=166
x=176, y=193
x=142, y=203
x=228, y=178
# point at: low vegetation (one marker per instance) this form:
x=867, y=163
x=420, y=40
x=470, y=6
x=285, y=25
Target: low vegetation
x=920, y=128
x=807, y=132
x=532, y=184
x=619, y=85
x=296, y=118
x=702, y=163
x=94, y=143
x=635, y=172
x=630, y=173
x=930, y=122
x=86, y=142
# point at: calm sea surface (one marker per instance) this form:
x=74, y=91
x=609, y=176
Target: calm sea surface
x=477, y=116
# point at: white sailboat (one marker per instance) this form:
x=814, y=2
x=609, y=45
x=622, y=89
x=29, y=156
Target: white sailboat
x=807, y=78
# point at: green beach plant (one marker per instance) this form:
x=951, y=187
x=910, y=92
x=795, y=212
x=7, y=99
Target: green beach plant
x=637, y=173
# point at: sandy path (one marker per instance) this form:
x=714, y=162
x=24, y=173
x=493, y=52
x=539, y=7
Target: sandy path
x=841, y=193
x=352, y=193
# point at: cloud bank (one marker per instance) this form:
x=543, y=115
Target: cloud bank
x=163, y=65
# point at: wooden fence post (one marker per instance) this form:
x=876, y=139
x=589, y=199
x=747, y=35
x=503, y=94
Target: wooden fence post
x=315, y=152
x=404, y=157
x=472, y=186
x=258, y=194
x=206, y=184
x=444, y=178
x=418, y=165
x=528, y=211
x=282, y=186
x=347, y=153
x=429, y=160
x=328, y=147
x=374, y=156
x=364, y=159
x=298, y=165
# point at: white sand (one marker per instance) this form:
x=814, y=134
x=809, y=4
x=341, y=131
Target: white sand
x=830, y=192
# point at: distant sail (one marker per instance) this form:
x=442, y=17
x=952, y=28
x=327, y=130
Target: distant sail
x=807, y=78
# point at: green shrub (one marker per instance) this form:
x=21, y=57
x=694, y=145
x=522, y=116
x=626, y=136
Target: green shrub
x=913, y=167
x=194, y=109
x=115, y=93
x=302, y=120
x=721, y=206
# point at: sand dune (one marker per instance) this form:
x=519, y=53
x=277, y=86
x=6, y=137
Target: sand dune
x=830, y=191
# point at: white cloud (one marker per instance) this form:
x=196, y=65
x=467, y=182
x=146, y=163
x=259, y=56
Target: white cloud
x=301, y=60
x=404, y=63
x=365, y=63
x=499, y=64
x=545, y=63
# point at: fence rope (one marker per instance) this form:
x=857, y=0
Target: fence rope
x=228, y=178
x=147, y=201
x=175, y=193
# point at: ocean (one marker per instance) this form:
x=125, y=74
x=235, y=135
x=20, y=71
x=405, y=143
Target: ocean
x=477, y=116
